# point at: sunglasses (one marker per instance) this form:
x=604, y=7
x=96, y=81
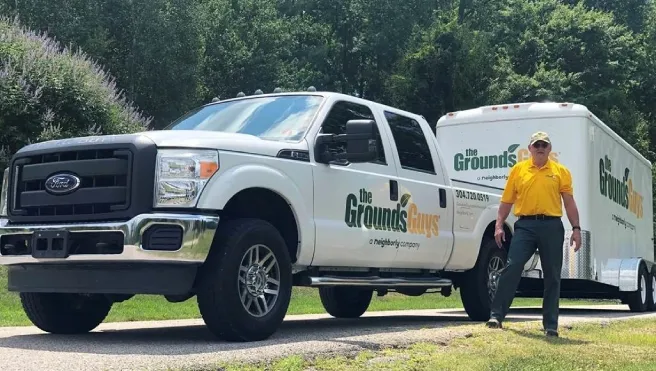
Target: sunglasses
x=540, y=144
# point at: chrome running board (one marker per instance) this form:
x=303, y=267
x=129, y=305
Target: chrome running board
x=377, y=281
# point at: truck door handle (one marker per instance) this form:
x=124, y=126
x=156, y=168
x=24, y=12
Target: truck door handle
x=394, y=190
x=442, y=198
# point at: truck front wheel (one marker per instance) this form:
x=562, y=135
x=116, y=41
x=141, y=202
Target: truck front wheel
x=62, y=313
x=479, y=284
x=246, y=282
x=345, y=302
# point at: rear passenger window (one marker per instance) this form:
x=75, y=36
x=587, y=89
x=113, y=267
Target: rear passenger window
x=335, y=123
x=410, y=143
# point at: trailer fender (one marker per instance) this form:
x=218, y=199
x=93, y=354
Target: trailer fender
x=628, y=274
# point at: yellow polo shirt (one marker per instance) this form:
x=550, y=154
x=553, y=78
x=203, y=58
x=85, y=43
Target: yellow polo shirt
x=536, y=190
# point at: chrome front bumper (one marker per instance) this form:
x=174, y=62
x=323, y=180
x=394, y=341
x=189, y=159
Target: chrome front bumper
x=197, y=235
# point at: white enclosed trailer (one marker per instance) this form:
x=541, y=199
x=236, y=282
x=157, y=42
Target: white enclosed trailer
x=612, y=187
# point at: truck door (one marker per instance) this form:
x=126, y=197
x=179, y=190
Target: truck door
x=427, y=240
x=353, y=205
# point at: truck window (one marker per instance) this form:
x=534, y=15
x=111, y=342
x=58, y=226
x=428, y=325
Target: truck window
x=411, y=143
x=335, y=123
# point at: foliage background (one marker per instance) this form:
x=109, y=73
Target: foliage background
x=426, y=56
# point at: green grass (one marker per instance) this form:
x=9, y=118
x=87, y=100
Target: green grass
x=304, y=301
x=623, y=345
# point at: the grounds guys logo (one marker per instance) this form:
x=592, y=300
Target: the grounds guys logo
x=470, y=159
x=406, y=217
x=619, y=189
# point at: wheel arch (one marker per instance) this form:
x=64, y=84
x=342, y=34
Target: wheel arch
x=266, y=204
x=242, y=190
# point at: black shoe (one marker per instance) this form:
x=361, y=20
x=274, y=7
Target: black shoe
x=552, y=333
x=494, y=323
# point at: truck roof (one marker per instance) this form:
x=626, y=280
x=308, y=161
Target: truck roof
x=513, y=111
x=327, y=95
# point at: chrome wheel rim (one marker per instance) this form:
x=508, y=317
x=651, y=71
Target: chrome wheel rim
x=643, y=289
x=258, y=280
x=494, y=269
x=653, y=289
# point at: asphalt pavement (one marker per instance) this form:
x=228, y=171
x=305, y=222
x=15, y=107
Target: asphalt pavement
x=165, y=345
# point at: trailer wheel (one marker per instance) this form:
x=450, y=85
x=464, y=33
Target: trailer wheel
x=246, y=283
x=639, y=300
x=345, y=302
x=63, y=313
x=479, y=284
x=652, y=302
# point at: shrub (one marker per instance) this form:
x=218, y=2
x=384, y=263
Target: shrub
x=51, y=92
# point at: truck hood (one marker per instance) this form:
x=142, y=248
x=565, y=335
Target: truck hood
x=221, y=141
x=175, y=138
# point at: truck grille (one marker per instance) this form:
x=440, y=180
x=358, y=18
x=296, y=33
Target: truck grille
x=115, y=182
x=104, y=177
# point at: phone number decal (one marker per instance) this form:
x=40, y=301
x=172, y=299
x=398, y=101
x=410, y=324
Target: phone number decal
x=468, y=195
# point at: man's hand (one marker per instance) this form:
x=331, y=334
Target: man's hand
x=499, y=235
x=575, y=239
x=573, y=216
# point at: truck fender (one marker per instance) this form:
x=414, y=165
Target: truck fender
x=488, y=216
x=222, y=187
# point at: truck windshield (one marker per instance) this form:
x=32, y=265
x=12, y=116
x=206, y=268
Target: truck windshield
x=284, y=118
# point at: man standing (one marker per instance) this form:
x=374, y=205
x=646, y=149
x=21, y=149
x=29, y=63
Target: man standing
x=536, y=186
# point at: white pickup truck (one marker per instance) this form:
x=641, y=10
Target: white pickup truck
x=238, y=201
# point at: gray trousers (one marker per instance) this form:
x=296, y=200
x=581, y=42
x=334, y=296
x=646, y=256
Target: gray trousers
x=548, y=237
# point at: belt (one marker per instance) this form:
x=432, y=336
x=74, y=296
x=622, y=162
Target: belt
x=539, y=217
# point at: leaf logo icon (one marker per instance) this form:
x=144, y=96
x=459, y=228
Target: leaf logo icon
x=404, y=199
x=512, y=148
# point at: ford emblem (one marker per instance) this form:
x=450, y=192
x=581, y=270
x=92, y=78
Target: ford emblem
x=61, y=184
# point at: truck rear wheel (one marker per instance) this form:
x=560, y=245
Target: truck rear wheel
x=639, y=300
x=246, y=283
x=63, y=313
x=345, y=302
x=480, y=283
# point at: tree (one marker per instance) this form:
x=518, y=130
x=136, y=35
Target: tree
x=50, y=92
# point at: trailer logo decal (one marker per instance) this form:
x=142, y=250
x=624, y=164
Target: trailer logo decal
x=470, y=159
x=405, y=217
x=619, y=190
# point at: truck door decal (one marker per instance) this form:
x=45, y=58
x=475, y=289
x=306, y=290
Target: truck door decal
x=406, y=217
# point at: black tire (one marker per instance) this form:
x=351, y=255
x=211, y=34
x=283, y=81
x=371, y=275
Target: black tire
x=474, y=291
x=652, y=303
x=345, y=302
x=635, y=299
x=62, y=313
x=219, y=299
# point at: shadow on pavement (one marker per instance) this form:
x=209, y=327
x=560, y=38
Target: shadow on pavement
x=198, y=340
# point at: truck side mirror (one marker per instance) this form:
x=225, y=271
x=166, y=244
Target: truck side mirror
x=360, y=140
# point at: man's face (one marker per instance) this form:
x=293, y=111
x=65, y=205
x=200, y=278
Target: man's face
x=540, y=150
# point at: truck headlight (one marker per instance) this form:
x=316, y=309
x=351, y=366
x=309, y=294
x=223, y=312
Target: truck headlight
x=181, y=175
x=3, y=195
